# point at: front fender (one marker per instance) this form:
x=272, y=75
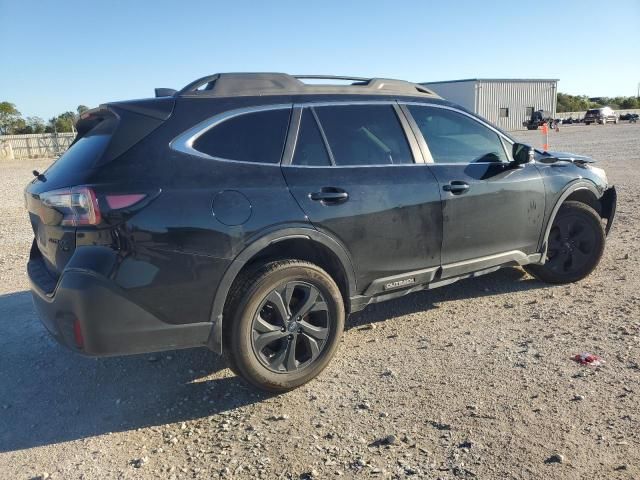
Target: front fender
x=609, y=201
x=568, y=190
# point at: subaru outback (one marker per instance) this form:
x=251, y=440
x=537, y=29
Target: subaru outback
x=250, y=213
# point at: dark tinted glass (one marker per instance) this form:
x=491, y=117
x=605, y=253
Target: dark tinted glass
x=82, y=156
x=455, y=138
x=310, y=149
x=252, y=137
x=364, y=134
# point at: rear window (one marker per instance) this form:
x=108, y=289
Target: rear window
x=82, y=156
x=364, y=134
x=256, y=137
x=310, y=148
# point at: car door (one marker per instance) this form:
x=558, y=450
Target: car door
x=353, y=173
x=492, y=211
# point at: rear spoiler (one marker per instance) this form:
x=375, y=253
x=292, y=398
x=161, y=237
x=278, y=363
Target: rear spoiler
x=165, y=92
x=126, y=122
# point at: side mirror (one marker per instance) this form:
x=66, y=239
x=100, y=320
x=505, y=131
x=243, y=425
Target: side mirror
x=522, y=154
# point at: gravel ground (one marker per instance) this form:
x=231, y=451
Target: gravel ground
x=473, y=380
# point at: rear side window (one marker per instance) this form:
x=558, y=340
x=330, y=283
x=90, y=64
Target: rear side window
x=455, y=138
x=253, y=137
x=364, y=134
x=310, y=148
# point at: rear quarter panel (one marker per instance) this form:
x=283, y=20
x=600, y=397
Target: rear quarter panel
x=172, y=254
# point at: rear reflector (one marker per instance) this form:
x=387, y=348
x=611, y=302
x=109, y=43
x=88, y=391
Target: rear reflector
x=116, y=202
x=77, y=334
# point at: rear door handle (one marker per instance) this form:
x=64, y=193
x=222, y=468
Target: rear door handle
x=329, y=196
x=456, y=187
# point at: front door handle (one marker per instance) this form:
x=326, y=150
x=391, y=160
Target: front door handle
x=329, y=196
x=456, y=187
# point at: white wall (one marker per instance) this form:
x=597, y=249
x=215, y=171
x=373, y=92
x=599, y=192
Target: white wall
x=462, y=93
x=516, y=96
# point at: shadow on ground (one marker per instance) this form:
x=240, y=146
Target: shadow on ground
x=49, y=394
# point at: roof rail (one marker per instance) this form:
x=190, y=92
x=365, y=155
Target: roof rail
x=331, y=77
x=249, y=84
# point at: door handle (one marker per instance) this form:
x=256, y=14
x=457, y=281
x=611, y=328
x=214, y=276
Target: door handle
x=456, y=187
x=329, y=196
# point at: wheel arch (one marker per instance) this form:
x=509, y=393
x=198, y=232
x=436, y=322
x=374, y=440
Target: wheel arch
x=580, y=190
x=300, y=243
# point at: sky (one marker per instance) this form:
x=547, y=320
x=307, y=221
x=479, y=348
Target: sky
x=56, y=55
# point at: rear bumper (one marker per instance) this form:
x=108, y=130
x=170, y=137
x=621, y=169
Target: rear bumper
x=109, y=323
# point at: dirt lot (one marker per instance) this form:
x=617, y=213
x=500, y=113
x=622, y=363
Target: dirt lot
x=474, y=380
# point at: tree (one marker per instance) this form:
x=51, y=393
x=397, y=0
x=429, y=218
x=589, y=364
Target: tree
x=9, y=115
x=62, y=123
x=580, y=103
x=81, y=109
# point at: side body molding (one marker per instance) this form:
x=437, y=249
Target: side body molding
x=306, y=233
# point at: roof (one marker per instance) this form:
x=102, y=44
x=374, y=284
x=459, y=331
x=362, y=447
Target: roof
x=513, y=80
x=255, y=84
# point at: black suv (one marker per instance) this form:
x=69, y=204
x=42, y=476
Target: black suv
x=250, y=213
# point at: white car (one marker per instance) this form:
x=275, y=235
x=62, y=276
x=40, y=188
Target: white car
x=602, y=116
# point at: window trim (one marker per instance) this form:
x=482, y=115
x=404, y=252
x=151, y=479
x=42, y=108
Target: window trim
x=183, y=143
x=287, y=160
x=429, y=158
x=323, y=135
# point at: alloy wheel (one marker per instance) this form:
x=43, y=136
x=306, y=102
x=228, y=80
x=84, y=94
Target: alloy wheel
x=291, y=327
x=572, y=242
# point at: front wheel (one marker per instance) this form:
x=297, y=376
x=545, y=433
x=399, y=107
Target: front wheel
x=286, y=323
x=575, y=245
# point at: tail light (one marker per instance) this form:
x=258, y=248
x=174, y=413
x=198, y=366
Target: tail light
x=117, y=202
x=79, y=206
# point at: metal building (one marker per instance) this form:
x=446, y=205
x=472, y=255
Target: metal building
x=504, y=102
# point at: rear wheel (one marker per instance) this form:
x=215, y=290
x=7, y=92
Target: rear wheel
x=288, y=317
x=575, y=245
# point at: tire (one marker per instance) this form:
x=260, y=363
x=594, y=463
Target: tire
x=268, y=346
x=575, y=245
x=587, y=123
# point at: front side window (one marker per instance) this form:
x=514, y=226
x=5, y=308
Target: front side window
x=251, y=137
x=453, y=137
x=364, y=134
